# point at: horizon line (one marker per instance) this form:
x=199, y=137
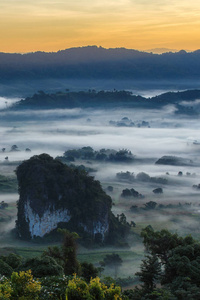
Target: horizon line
x=156, y=50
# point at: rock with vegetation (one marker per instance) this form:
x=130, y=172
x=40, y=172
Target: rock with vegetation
x=131, y=193
x=146, y=178
x=174, y=161
x=158, y=190
x=125, y=176
x=54, y=195
x=107, y=155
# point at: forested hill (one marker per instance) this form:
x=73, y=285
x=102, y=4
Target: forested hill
x=96, y=63
x=103, y=99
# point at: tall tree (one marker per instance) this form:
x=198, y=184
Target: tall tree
x=66, y=255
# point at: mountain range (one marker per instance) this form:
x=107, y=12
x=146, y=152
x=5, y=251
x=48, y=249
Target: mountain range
x=94, y=62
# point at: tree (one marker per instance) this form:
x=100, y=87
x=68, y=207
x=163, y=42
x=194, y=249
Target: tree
x=13, y=260
x=88, y=271
x=150, y=271
x=143, y=177
x=78, y=289
x=43, y=266
x=174, y=261
x=5, y=269
x=122, y=218
x=14, y=148
x=20, y=286
x=69, y=250
x=158, y=191
x=66, y=256
x=160, y=243
x=24, y=286
x=113, y=261
x=150, y=205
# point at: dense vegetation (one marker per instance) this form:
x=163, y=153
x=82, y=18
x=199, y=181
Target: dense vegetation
x=110, y=99
x=174, y=161
x=169, y=271
x=19, y=278
x=102, y=155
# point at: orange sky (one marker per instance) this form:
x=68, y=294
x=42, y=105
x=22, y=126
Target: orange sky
x=52, y=25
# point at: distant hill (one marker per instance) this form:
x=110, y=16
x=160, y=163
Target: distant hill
x=108, y=99
x=99, y=63
x=161, y=50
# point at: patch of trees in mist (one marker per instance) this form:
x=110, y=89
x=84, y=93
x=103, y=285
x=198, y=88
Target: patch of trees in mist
x=110, y=99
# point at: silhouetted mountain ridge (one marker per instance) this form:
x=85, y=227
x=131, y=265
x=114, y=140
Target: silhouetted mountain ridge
x=97, y=62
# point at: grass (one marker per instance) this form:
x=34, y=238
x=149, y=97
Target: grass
x=8, y=184
x=29, y=252
x=98, y=255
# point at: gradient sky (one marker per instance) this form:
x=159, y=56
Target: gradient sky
x=52, y=25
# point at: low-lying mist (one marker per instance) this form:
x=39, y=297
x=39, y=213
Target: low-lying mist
x=167, y=134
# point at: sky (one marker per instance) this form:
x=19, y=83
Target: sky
x=52, y=25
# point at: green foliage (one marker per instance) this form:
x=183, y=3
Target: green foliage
x=21, y=286
x=54, y=287
x=13, y=260
x=24, y=286
x=43, y=266
x=5, y=288
x=5, y=269
x=69, y=250
x=88, y=271
x=66, y=255
x=126, y=281
x=78, y=289
x=173, y=262
x=118, y=232
x=150, y=205
x=110, y=155
x=160, y=242
x=150, y=272
x=56, y=253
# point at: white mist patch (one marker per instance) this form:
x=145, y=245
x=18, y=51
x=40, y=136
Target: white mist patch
x=6, y=102
x=9, y=198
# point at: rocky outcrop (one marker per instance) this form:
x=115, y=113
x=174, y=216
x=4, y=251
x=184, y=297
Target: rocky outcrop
x=53, y=194
x=174, y=161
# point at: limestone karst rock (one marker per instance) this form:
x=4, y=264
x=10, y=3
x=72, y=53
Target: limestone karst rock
x=52, y=193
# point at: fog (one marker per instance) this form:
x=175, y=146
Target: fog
x=59, y=130
x=55, y=131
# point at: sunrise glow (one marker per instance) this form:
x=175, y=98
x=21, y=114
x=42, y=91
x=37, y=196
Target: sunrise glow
x=52, y=25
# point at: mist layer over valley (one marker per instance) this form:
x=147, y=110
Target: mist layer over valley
x=145, y=136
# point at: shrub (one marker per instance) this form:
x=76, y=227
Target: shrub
x=54, y=287
x=5, y=269
x=24, y=286
x=78, y=289
x=20, y=286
